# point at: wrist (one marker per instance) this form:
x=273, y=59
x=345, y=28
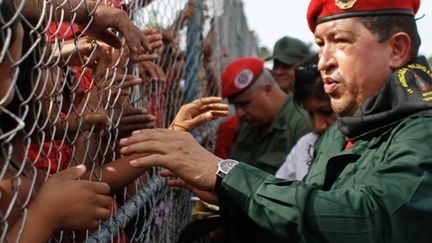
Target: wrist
x=41, y=215
x=176, y=127
x=224, y=167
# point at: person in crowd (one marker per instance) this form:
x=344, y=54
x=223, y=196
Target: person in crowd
x=370, y=178
x=288, y=52
x=309, y=94
x=270, y=123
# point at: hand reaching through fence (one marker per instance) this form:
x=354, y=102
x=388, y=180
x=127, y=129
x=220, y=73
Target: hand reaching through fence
x=199, y=112
x=106, y=17
x=63, y=202
x=135, y=119
x=80, y=204
x=149, y=70
x=154, y=37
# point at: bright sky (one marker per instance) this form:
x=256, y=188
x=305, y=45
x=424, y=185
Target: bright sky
x=273, y=19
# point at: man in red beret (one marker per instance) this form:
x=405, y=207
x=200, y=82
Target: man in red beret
x=270, y=124
x=288, y=52
x=371, y=176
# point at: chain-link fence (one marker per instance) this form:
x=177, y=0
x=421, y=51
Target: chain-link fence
x=68, y=97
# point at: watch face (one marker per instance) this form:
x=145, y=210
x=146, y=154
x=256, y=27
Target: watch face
x=226, y=165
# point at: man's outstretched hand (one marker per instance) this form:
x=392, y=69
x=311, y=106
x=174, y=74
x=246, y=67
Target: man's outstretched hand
x=175, y=151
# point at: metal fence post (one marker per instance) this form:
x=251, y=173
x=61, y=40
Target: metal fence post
x=193, y=53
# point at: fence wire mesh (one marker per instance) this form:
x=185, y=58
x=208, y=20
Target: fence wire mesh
x=68, y=97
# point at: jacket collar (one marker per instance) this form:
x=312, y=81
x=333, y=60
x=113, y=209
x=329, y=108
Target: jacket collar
x=408, y=92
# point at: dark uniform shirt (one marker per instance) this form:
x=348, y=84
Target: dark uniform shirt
x=267, y=152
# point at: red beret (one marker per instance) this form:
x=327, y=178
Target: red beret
x=320, y=11
x=240, y=74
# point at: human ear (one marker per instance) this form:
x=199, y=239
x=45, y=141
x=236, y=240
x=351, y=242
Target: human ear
x=400, y=44
x=267, y=89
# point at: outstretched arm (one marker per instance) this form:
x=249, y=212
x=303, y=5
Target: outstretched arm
x=377, y=200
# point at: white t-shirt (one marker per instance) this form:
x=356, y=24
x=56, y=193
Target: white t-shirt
x=297, y=162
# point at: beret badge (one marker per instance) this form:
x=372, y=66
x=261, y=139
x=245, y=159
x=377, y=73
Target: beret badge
x=243, y=79
x=345, y=4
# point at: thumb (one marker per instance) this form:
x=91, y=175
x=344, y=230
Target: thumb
x=72, y=173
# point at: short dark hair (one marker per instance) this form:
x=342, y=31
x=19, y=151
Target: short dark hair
x=308, y=81
x=387, y=25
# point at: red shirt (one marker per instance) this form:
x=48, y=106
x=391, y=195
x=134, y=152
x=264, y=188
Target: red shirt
x=226, y=136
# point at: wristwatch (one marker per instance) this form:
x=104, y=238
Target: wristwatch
x=225, y=166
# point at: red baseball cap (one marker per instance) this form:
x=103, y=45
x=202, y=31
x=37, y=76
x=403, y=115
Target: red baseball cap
x=320, y=11
x=240, y=74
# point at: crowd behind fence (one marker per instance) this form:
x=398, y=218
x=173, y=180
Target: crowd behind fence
x=75, y=97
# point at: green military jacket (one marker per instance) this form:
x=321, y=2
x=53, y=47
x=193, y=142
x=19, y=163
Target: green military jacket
x=379, y=190
x=267, y=152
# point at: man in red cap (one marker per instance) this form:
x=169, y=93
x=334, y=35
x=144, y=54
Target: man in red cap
x=287, y=53
x=270, y=124
x=371, y=176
